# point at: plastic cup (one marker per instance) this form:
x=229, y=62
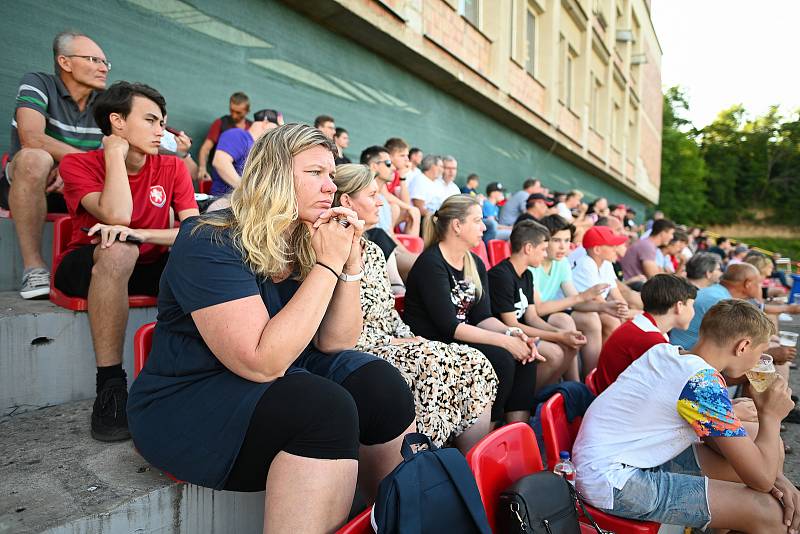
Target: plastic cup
x=788, y=339
x=763, y=374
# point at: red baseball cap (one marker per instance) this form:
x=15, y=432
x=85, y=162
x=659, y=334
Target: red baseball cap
x=602, y=235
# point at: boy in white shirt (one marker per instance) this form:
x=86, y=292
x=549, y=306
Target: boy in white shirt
x=677, y=453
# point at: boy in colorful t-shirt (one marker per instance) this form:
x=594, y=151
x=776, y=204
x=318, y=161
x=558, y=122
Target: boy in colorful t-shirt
x=663, y=444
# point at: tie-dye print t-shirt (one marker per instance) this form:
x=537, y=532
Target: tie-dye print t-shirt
x=704, y=404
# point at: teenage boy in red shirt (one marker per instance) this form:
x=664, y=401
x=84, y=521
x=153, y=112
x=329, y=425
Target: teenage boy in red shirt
x=668, y=303
x=121, y=192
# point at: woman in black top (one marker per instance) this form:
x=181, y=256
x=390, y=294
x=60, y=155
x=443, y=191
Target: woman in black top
x=250, y=383
x=447, y=299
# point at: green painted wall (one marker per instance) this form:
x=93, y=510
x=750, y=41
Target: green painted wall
x=197, y=53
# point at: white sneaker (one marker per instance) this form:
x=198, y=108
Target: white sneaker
x=35, y=284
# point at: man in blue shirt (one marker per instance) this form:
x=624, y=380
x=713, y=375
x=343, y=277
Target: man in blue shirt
x=741, y=281
x=234, y=146
x=494, y=230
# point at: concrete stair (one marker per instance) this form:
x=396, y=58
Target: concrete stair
x=57, y=479
x=46, y=355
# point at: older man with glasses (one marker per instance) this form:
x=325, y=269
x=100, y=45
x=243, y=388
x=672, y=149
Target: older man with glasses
x=52, y=118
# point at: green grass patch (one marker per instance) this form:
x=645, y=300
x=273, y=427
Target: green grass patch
x=789, y=247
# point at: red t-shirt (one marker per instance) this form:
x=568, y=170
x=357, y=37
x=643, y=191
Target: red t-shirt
x=163, y=182
x=215, y=130
x=391, y=186
x=624, y=345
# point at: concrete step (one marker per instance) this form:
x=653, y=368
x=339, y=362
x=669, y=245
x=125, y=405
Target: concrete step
x=46, y=354
x=57, y=479
x=10, y=258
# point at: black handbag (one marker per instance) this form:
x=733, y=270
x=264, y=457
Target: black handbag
x=541, y=503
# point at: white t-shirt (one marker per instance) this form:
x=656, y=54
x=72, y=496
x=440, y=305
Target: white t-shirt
x=429, y=191
x=575, y=255
x=657, y=408
x=412, y=175
x=585, y=274
x=448, y=189
x=564, y=211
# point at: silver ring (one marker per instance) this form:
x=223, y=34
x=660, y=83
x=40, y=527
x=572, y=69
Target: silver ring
x=344, y=222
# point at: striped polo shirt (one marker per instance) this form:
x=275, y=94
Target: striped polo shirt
x=48, y=95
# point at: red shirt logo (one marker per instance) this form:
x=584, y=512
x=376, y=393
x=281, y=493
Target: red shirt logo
x=158, y=197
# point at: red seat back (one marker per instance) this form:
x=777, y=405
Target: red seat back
x=399, y=303
x=413, y=243
x=498, y=250
x=359, y=524
x=480, y=250
x=62, y=234
x=142, y=343
x=590, y=383
x=559, y=435
x=500, y=459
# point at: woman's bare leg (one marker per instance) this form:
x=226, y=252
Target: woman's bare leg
x=474, y=433
x=308, y=494
x=377, y=461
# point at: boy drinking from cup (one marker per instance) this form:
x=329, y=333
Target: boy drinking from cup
x=662, y=443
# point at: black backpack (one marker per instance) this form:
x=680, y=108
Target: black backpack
x=432, y=491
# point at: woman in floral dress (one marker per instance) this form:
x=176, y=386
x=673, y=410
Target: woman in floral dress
x=453, y=385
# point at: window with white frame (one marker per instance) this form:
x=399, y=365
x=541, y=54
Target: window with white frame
x=470, y=10
x=530, y=41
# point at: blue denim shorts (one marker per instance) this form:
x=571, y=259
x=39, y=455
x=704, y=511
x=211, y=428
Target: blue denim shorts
x=674, y=493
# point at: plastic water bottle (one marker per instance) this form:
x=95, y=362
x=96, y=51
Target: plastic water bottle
x=565, y=467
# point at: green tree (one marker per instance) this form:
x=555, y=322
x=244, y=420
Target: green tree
x=683, y=171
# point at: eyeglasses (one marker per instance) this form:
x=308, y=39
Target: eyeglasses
x=386, y=162
x=94, y=59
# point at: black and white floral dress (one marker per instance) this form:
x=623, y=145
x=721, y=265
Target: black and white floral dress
x=453, y=384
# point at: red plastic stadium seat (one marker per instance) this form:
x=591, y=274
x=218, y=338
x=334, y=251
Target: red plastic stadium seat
x=204, y=186
x=590, y=383
x=498, y=250
x=500, y=459
x=480, y=250
x=142, y=343
x=559, y=435
x=399, y=303
x=413, y=243
x=62, y=233
x=358, y=525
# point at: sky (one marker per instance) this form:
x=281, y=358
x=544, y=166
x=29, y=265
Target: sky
x=726, y=52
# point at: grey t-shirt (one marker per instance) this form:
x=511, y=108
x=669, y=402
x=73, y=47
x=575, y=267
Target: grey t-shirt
x=513, y=208
x=48, y=95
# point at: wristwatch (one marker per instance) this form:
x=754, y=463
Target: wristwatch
x=513, y=331
x=344, y=277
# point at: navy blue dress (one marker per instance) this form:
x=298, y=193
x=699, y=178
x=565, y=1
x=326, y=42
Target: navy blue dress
x=188, y=414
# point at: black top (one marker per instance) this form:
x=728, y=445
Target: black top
x=527, y=217
x=438, y=298
x=509, y=292
x=341, y=160
x=382, y=239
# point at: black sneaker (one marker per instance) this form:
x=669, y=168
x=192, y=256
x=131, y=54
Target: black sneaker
x=109, y=418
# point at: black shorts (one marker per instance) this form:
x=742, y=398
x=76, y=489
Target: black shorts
x=55, y=201
x=75, y=273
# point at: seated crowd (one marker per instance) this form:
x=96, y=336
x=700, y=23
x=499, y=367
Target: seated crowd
x=260, y=353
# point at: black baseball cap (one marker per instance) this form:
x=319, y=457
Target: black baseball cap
x=539, y=196
x=494, y=186
x=269, y=115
